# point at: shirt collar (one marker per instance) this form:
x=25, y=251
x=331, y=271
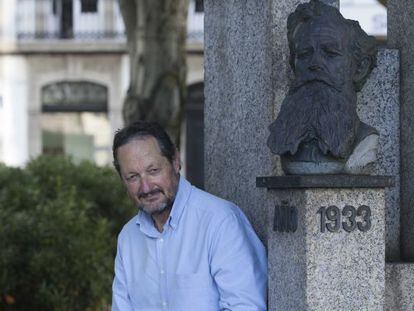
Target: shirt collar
x=183, y=193
x=146, y=225
x=145, y=222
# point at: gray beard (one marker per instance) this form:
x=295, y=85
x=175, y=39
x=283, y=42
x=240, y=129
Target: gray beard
x=315, y=111
x=163, y=206
x=159, y=209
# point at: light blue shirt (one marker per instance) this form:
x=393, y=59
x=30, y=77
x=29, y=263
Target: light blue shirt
x=208, y=257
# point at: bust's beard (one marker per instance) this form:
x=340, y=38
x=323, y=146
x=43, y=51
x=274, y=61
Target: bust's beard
x=315, y=111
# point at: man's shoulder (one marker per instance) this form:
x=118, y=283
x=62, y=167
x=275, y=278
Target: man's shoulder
x=212, y=206
x=128, y=228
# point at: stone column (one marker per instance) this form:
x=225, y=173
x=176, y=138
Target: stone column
x=401, y=36
x=378, y=106
x=238, y=102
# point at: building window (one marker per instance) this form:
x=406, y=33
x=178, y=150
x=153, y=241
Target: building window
x=89, y=6
x=74, y=97
x=63, y=9
x=75, y=121
x=199, y=6
x=66, y=21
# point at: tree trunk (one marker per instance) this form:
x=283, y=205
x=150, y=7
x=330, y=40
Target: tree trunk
x=156, y=35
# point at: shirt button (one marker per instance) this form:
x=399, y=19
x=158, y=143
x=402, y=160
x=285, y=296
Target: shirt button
x=164, y=304
x=162, y=272
x=161, y=240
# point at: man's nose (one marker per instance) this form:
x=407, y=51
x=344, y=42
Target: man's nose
x=145, y=186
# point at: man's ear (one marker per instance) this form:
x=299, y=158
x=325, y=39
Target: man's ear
x=362, y=71
x=177, y=161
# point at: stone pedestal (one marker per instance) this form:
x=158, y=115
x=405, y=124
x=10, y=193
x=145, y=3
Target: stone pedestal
x=326, y=242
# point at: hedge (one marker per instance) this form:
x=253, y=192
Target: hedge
x=58, y=228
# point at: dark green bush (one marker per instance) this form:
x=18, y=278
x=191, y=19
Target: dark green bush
x=58, y=227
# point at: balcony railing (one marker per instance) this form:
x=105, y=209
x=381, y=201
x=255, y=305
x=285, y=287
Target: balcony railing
x=87, y=20
x=69, y=19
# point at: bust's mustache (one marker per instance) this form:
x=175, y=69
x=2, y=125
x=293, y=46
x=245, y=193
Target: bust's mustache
x=319, y=76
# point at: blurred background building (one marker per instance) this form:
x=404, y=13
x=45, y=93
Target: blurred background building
x=64, y=70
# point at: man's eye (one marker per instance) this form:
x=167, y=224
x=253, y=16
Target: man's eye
x=131, y=178
x=154, y=170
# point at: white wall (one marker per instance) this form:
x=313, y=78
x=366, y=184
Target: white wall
x=7, y=20
x=13, y=111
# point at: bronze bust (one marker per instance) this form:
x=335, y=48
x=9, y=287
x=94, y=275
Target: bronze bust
x=318, y=130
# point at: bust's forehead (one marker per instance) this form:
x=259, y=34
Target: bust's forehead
x=328, y=29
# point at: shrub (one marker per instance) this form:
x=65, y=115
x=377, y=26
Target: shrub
x=58, y=227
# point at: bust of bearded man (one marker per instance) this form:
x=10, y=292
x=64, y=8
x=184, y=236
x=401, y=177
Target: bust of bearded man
x=318, y=130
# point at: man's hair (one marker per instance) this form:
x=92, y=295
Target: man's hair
x=362, y=45
x=142, y=130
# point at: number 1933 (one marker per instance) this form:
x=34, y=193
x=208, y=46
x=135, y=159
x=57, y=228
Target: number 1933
x=349, y=218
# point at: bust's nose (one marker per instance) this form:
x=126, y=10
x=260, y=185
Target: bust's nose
x=315, y=62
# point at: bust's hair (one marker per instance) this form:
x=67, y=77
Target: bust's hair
x=362, y=45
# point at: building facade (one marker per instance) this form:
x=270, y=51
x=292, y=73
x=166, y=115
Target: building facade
x=64, y=70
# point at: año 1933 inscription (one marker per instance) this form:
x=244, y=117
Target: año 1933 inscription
x=332, y=218
x=349, y=218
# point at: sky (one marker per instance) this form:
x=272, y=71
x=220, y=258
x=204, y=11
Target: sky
x=371, y=15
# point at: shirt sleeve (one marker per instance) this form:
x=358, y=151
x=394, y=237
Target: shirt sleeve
x=239, y=265
x=120, y=296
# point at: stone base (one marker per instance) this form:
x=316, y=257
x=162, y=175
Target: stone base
x=399, y=285
x=320, y=262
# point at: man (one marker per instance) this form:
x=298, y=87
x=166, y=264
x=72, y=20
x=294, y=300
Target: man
x=186, y=249
x=318, y=129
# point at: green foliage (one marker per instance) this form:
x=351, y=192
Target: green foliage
x=58, y=227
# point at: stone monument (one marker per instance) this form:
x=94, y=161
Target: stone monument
x=328, y=233
x=325, y=234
